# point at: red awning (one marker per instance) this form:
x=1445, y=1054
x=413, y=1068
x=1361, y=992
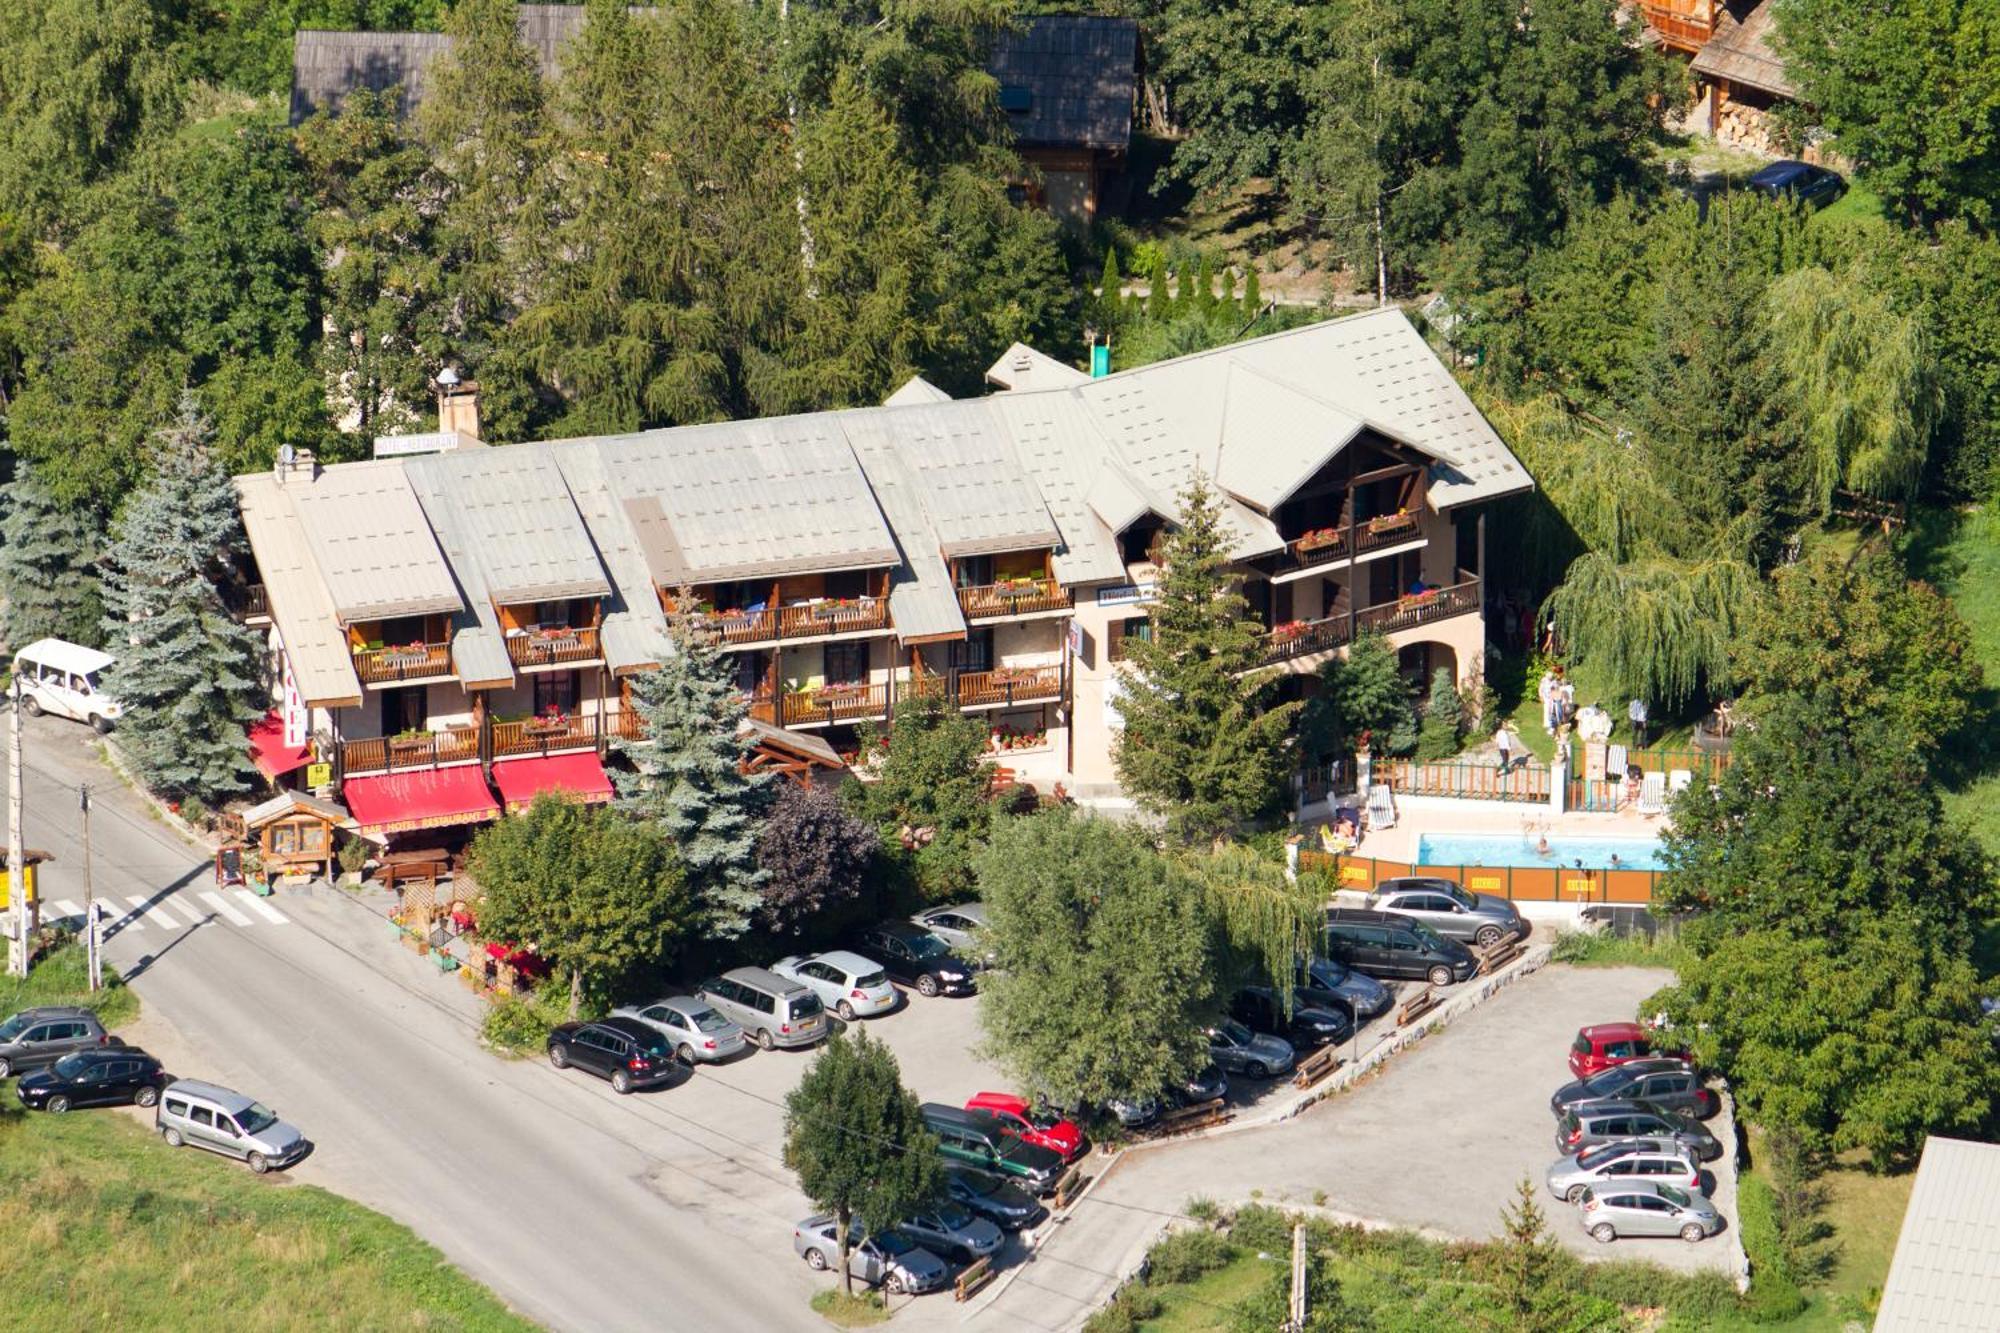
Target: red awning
x=425, y=798
x=579, y=775
x=268, y=750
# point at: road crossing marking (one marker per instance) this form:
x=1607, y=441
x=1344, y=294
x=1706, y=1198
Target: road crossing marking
x=268, y=912
x=221, y=904
x=153, y=913
x=64, y=907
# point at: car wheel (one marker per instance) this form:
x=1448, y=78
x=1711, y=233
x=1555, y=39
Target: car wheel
x=845, y=1010
x=559, y=1057
x=145, y=1096
x=31, y=705
x=1257, y=1069
x=621, y=1082
x=893, y=1284
x=1487, y=937
x=1440, y=976
x=1693, y=1234
x=1575, y=1194
x=1603, y=1233
x=685, y=1054
x=101, y=725
x=764, y=1042
x=259, y=1163
x=815, y=1261
x=57, y=1105
x=172, y=1136
x=927, y=986
x=6, y=1068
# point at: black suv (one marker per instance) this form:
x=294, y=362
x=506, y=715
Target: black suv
x=1385, y=944
x=105, y=1076
x=915, y=957
x=629, y=1053
x=37, y=1038
x=1307, y=1027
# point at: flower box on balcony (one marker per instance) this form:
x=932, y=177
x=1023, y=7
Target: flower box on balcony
x=1399, y=521
x=1319, y=539
x=545, y=726
x=1288, y=632
x=835, y=694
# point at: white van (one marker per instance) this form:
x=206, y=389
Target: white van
x=66, y=679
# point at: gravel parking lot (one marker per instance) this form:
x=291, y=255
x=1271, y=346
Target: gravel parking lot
x=1442, y=1136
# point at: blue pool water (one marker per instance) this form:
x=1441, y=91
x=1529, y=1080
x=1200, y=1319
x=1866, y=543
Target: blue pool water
x=1511, y=849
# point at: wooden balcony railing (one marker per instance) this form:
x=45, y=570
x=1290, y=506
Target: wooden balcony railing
x=1010, y=685
x=813, y=620
x=836, y=703
x=251, y=602
x=1325, y=546
x=554, y=647
x=989, y=600
x=541, y=735
x=391, y=754
x=1304, y=638
x=392, y=666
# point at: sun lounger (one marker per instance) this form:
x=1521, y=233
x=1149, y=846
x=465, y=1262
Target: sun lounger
x=1679, y=780
x=1653, y=794
x=1381, y=807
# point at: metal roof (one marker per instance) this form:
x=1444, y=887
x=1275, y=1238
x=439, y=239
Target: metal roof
x=1022, y=367
x=516, y=512
x=634, y=629
x=977, y=496
x=1945, y=1277
x=923, y=604
x=301, y=607
x=1059, y=445
x=372, y=543
x=1072, y=78
x=916, y=389
x=478, y=640
x=742, y=499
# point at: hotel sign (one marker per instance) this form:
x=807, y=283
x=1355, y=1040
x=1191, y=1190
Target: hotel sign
x=1127, y=594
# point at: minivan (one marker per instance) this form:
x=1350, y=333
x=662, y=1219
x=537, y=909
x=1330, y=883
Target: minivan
x=1593, y=1123
x=976, y=1139
x=66, y=679
x=774, y=1010
x=1386, y=944
x=202, y=1115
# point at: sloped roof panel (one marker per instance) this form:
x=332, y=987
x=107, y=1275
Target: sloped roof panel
x=517, y=515
x=1077, y=73
x=301, y=606
x=634, y=629
x=1945, y=1277
x=978, y=497
x=1022, y=367
x=923, y=604
x=1061, y=449
x=916, y=389
x=372, y=542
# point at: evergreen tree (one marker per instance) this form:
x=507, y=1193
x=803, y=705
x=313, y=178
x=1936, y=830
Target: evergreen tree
x=1361, y=693
x=1184, y=303
x=1202, y=743
x=1204, y=289
x=1253, y=296
x=48, y=565
x=1226, y=302
x=1110, y=296
x=188, y=675
x=1159, y=298
x=1443, y=727
x=689, y=778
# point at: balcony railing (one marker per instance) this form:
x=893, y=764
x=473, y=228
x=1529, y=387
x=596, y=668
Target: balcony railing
x=251, y=602
x=812, y=620
x=1024, y=597
x=391, y=754
x=1304, y=638
x=836, y=703
x=1682, y=24
x=554, y=647
x=1325, y=546
x=544, y=735
x=393, y=666
x=1010, y=685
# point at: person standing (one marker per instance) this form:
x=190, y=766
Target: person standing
x=1546, y=692
x=1503, y=740
x=1636, y=712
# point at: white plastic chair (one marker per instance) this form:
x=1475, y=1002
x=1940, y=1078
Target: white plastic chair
x=1653, y=794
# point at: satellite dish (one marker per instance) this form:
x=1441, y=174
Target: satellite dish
x=447, y=377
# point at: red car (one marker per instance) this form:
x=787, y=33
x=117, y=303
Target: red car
x=1044, y=1129
x=1603, y=1045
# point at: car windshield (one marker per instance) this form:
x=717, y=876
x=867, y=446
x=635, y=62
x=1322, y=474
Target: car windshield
x=1041, y=1117
x=1673, y=1196
x=977, y=1186
x=653, y=1044
x=13, y=1027
x=1427, y=935
x=1327, y=973
x=90, y=679
x=1457, y=895
x=1234, y=1033
x=710, y=1021
x=72, y=1065
x=927, y=946
x=256, y=1118
x=894, y=1242
x=954, y=1217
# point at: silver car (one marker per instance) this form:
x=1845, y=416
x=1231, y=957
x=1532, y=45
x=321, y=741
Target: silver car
x=699, y=1034
x=847, y=983
x=1237, y=1049
x=954, y=1232
x=1661, y=1161
x=1642, y=1208
x=963, y=926
x=889, y=1259
x=1453, y=912
x=202, y=1115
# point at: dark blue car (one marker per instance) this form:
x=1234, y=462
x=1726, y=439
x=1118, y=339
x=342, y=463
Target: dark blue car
x=1790, y=180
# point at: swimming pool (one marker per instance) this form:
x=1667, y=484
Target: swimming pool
x=1513, y=849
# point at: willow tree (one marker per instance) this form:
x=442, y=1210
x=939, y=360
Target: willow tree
x=1861, y=382
x=1658, y=627
x=1264, y=922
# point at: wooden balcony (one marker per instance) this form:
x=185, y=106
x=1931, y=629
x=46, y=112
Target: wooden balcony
x=1328, y=546
x=1305, y=638
x=989, y=601
x=542, y=735
x=251, y=603
x=550, y=649
x=1010, y=685
x=812, y=620
x=1684, y=24
x=403, y=665
x=831, y=704
x=392, y=754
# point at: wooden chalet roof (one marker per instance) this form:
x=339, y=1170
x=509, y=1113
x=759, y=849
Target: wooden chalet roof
x=1741, y=52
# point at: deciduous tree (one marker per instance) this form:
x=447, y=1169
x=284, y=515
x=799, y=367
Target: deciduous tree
x=815, y=856
x=930, y=797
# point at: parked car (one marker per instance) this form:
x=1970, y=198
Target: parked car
x=1031, y=1124
x=954, y=1232
x=847, y=983
x=1005, y=1205
x=1209, y=1084
x=888, y=1259
x=1240, y=1051
x=916, y=958
x=1584, y=1127
x=629, y=1053
x=1646, y=1208
x=1453, y=912
x=1134, y=1112
x=977, y=1140
x=1306, y=1027
x=1602, y=1045
x=1334, y=985
x=698, y=1033
x=37, y=1038
x=1661, y=1080
x=773, y=1010
x=1385, y=944
x=962, y=926
x=202, y=1115
x=1816, y=187
x=1661, y=1160
x=66, y=679
x=105, y=1076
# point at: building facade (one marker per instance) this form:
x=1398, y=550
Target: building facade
x=454, y=626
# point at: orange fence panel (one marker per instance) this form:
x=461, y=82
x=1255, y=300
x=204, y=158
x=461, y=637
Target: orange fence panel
x=1535, y=884
x=1629, y=886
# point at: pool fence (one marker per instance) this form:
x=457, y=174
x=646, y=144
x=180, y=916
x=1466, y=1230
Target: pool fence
x=1542, y=884
x=1527, y=781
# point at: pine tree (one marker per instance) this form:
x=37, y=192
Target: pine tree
x=1110, y=298
x=1443, y=727
x=1184, y=302
x=1202, y=743
x=1226, y=303
x=188, y=675
x=1159, y=297
x=689, y=777
x=48, y=565
x=1204, y=288
x=1253, y=299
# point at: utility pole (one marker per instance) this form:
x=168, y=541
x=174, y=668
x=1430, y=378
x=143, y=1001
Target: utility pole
x=17, y=898
x=90, y=945
x=1297, y=1322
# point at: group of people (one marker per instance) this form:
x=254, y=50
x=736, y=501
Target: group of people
x=1559, y=711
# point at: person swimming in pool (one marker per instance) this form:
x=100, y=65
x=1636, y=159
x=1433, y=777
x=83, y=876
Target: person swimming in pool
x=1542, y=847
x=1614, y=861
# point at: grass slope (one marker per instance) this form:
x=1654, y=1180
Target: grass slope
x=1959, y=552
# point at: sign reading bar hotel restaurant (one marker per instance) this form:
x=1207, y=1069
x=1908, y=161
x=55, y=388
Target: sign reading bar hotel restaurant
x=1125, y=594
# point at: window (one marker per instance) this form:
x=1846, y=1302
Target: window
x=1016, y=100
x=974, y=652
x=1403, y=943
x=556, y=690
x=975, y=571
x=46, y=1032
x=1120, y=630
x=848, y=583
x=763, y=1003
x=202, y=1116
x=1618, y=1050
x=846, y=663
x=176, y=1107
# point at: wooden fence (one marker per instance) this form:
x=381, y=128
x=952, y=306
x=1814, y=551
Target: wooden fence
x=1542, y=884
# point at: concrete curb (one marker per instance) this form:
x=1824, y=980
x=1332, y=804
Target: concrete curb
x=1041, y=1237
x=1739, y=1258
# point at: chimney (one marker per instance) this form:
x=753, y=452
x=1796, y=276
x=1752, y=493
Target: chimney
x=294, y=459
x=458, y=404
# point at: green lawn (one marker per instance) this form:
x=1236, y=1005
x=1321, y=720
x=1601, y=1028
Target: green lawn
x=1959, y=552
x=1203, y=1305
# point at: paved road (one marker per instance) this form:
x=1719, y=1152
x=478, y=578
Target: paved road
x=582, y=1209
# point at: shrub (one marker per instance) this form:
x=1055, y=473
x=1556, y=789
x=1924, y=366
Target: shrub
x=520, y=1025
x=1774, y=1294
x=1186, y=1255
x=1262, y=1228
x=351, y=855
x=195, y=811
x=1201, y=1209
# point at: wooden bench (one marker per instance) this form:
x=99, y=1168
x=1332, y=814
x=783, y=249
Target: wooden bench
x=1187, y=1119
x=1316, y=1067
x=976, y=1275
x=1497, y=955
x=1068, y=1188
x=1417, y=1006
